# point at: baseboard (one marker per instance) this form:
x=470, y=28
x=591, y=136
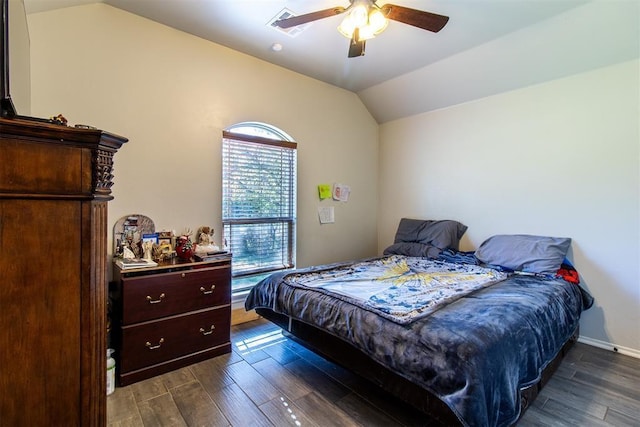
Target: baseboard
x=611, y=347
x=238, y=312
x=240, y=315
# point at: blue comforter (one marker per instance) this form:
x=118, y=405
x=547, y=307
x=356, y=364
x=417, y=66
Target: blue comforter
x=474, y=354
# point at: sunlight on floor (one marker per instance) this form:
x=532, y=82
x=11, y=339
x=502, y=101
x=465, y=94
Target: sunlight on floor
x=293, y=416
x=259, y=342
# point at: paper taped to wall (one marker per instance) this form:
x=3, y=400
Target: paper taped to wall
x=341, y=192
x=324, y=191
x=326, y=214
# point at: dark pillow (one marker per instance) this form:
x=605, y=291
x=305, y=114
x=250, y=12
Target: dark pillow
x=522, y=252
x=413, y=249
x=426, y=238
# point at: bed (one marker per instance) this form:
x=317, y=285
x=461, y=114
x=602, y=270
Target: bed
x=469, y=338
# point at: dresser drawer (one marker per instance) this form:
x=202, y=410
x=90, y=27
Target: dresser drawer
x=159, y=295
x=158, y=341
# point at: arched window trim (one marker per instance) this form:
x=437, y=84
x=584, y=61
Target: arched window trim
x=271, y=132
x=255, y=221
x=258, y=139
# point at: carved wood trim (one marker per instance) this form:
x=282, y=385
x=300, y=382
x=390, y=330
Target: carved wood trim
x=102, y=172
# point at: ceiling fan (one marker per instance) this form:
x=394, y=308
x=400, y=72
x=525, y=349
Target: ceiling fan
x=365, y=19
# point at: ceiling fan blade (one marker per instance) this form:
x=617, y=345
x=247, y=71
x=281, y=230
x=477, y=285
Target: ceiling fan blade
x=418, y=18
x=308, y=17
x=356, y=47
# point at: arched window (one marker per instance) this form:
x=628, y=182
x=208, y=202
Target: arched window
x=258, y=200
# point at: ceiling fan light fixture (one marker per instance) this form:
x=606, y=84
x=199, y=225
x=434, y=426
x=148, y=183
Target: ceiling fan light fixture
x=364, y=19
x=377, y=21
x=368, y=19
x=360, y=15
x=366, y=33
x=347, y=27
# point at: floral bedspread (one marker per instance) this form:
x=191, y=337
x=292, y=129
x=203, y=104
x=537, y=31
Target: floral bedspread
x=398, y=288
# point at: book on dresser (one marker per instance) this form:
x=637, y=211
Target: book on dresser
x=209, y=256
x=127, y=263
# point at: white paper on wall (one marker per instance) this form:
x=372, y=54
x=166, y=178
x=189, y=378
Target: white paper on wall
x=326, y=214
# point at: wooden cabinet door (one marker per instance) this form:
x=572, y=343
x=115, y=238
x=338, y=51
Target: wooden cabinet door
x=40, y=309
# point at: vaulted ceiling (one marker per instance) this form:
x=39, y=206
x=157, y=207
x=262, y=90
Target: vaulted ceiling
x=401, y=53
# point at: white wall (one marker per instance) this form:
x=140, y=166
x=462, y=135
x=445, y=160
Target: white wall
x=560, y=158
x=172, y=94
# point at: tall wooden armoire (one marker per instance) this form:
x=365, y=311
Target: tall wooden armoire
x=55, y=182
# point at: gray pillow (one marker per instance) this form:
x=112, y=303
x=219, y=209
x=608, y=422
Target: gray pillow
x=523, y=252
x=426, y=238
x=413, y=249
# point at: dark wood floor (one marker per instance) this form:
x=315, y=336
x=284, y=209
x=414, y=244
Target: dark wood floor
x=269, y=380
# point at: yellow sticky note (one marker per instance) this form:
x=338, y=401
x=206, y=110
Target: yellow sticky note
x=324, y=191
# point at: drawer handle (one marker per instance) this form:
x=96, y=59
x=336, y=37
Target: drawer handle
x=155, y=301
x=209, y=332
x=206, y=292
x=153, y=347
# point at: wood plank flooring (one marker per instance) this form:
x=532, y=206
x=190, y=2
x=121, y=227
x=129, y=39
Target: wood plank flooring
x=269, y=380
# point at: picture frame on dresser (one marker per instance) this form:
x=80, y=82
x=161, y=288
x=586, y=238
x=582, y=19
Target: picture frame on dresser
x=150, y=237
x=164, y=241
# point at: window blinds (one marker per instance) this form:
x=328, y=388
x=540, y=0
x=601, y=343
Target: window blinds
x=258, y=202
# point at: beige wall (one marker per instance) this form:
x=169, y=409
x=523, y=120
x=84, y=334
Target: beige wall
x=172, y=94
x=560, y=158
x=19, y=64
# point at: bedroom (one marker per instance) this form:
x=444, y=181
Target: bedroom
x=481, y=161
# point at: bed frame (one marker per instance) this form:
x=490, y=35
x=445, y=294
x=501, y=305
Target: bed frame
x=351, y=358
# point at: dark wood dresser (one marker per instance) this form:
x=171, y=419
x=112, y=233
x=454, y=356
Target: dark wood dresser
x=55, y=182
x=170, y=316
